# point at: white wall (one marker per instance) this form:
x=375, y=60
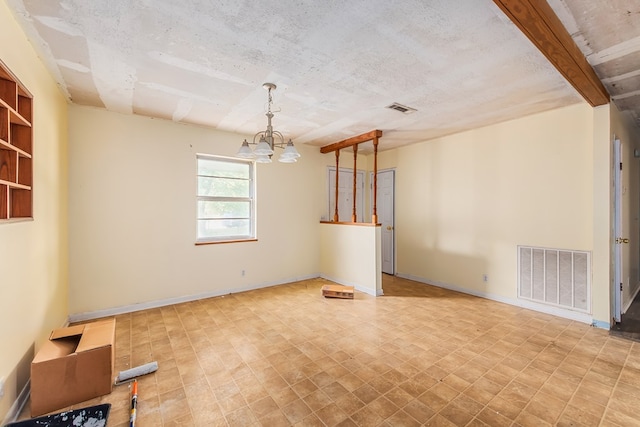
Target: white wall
x=132, y=209
x=33, y=254
x=464, y=202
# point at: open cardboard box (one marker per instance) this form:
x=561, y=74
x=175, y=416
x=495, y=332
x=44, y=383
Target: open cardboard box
x=74, y=365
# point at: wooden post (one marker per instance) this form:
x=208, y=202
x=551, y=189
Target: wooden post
x=354, y=214
x=336, y=217
x=374, y=213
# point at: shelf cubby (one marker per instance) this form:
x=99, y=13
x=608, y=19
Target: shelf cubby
x=24, y=107
x=8, y=165
x=24, y=171
x=16, y=148
x=4, y=123
x=9, y=92
x=20, y=137
x=4, y=201
x=20, y=203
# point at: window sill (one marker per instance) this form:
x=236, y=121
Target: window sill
x=217, y=242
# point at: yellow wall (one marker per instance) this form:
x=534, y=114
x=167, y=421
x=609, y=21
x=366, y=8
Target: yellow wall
x=464, y=202
x=350, y=255
x=33, y=254
x=133, y=214
x=602, y=209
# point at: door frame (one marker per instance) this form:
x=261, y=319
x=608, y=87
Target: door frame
x=393, y=235
x=617, y=230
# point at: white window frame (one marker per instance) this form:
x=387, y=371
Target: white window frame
x=251, y=199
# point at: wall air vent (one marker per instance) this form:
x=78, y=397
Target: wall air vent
x=402, y=108
x=555, y=277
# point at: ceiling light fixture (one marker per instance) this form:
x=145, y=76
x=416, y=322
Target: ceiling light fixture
x=266, y=144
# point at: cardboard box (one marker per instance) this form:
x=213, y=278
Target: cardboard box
x=337, y=291
x=74, y=365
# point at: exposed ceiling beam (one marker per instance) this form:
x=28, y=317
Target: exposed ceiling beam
x=539, y=23
x=355, y=140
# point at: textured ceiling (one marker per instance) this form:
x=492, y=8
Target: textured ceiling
x=608, y=34
x=461, y=64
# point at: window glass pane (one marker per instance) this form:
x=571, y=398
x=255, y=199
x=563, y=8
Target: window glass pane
x=215, y=228
x=225, y=195
x=223, y=168
x=215, y=209
x=223, y=187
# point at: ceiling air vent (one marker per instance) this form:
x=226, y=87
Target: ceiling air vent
x=402, y=108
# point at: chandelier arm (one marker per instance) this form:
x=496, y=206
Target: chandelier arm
x=282, y=142
x=259, y=134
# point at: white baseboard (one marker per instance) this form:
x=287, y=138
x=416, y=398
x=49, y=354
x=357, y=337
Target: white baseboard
x=81, y=317
x=18, y=405
x=530, y=305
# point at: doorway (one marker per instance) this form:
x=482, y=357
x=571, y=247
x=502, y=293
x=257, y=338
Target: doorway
x=625, y=301
x=386, y=217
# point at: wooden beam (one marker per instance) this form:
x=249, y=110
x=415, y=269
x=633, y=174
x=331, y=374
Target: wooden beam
x=539, y=23
x=355, y=140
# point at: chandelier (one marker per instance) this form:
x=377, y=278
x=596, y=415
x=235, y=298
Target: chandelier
x=267, y=142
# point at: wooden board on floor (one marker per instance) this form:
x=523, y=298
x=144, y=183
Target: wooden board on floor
x=337, y=291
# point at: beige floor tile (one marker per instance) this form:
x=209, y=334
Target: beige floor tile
x=419, y=411
x=174, y=405
x=504, y=408
x=402, y=419
x=349, y=403
x=440, y=421
x=296, y=411
x=274, y=419
x=366, y=417
x=546, y=407
x=331, y=415
x=317, y=400
x=419, y=355
x=456, y=415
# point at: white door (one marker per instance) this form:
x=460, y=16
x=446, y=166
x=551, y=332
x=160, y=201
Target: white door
x=385, y=209
x=345, y=194
x=617, y=230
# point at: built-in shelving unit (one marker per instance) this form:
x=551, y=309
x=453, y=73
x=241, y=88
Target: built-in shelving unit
x=16, y=148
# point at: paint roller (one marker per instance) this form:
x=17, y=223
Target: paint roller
x=133, y=373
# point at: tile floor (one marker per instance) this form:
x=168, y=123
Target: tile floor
x=420, y=355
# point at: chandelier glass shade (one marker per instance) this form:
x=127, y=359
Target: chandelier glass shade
x=268, y=140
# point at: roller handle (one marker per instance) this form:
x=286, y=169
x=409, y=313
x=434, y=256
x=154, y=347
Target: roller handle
x=134, y=403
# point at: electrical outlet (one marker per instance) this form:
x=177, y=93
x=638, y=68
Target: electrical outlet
x=242, y=273
x=1, y=387
x=485, y=278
